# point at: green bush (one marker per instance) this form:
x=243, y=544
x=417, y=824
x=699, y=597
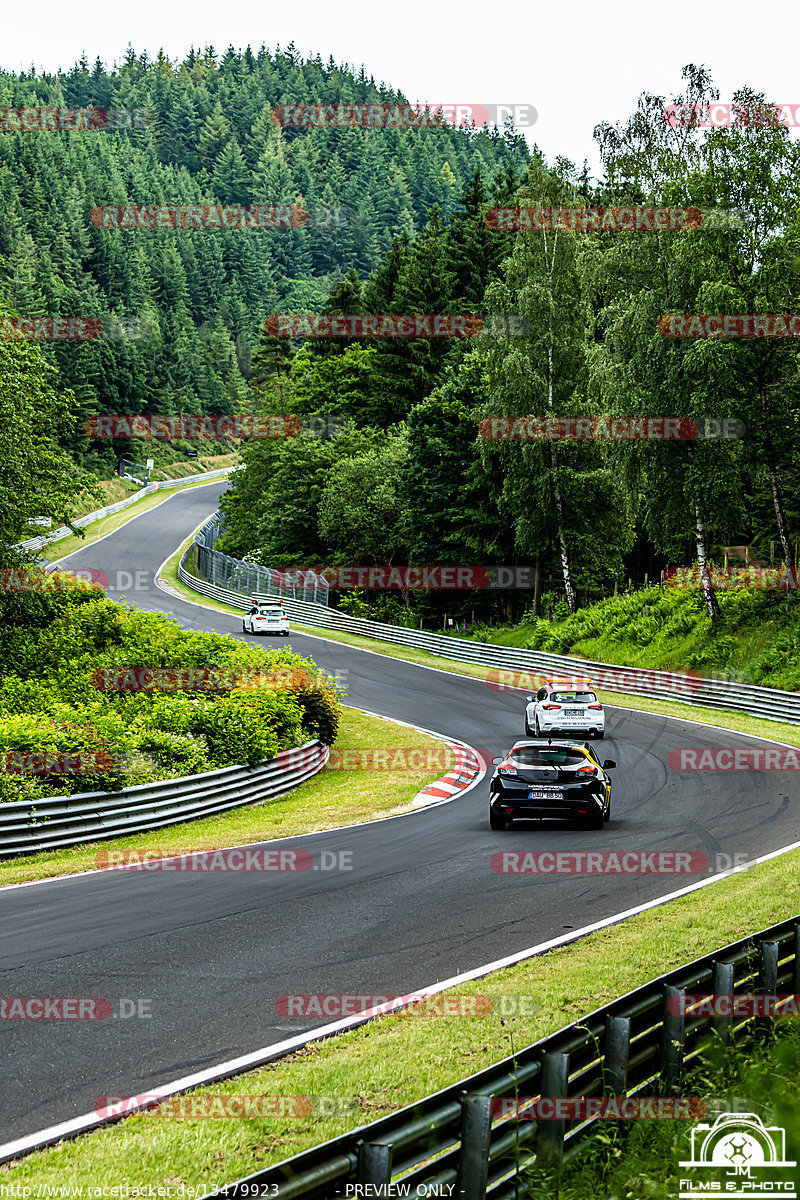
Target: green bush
x=53, y=702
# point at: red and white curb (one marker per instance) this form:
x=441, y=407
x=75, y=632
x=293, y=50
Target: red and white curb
x=469, y=767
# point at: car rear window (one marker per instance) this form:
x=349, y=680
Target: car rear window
x=574, y=697
x=546, y=756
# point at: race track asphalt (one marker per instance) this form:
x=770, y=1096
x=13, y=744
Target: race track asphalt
x=212, y=953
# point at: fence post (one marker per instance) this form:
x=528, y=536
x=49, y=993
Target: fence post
x=550, y=1134
x=375, y=1165
x=473, y=1160
x=767, y=981
x=796, y=972
x=723, y=986
x=618, y=1044
x=673, y=1037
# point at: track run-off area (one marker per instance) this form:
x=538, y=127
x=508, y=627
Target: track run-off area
x=422, y=900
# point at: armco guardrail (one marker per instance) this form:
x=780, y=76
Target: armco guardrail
x=57, y=821
x=36, y=543
x=458, y=1143
x=772, y=704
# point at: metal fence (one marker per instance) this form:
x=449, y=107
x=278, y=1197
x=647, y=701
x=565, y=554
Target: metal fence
x=507, y=666
x=642, y=1044
x=49, y=824
x=249, y=579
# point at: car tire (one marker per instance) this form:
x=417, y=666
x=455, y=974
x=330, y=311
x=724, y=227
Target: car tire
x=607, y=814
x=596, y=821
x=599, y=734
x=528, y=730
x=244, y=627
x=286, y=633
x=536, y=730
x=497, y=822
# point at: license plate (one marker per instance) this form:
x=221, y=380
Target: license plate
x=573, y=712
x=545, y=795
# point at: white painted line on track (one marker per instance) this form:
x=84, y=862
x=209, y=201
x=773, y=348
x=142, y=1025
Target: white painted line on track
x=248, y=1062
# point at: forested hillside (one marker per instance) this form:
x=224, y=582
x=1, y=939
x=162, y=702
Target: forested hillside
x=417, y=480
x=184, y=308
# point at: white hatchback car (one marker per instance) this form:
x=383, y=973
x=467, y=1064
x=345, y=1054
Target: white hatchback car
x=565, y=706
x=266, y=617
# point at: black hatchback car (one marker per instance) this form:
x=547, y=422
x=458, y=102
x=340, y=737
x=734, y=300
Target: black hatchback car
x=546, y=779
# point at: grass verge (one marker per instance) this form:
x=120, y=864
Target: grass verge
x=400, y=1058
x=330, y=799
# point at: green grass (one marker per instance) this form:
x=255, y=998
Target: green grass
x=398, y=1059
x=330, y=799
x=640, y=1158
x=756, y=640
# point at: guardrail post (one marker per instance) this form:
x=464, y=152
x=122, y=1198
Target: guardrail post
x=673, y=1037
x=473, y=1161
x=550, y=1134
x=767, y=981
x=722, y=985
x=375, y=1164
x=796, y=949
x=618, y=1045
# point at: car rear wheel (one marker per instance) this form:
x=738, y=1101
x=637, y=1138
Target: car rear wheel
x=528, y=730
x=497, y=822
x=596, y=821
x=537, y=730
x=607, y=814
x=599, y=734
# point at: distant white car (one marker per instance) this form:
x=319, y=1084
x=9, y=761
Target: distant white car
x=565, y=706
x=266, y=617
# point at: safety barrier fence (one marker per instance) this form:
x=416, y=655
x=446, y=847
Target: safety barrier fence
x=461, y=1142
x=48, y=824
x=36, y=543
x=250, y=579
x=508, y=666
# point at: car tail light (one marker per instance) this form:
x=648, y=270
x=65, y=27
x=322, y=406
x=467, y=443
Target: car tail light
x=587, y=770
x=548, y=706
x=507, y=769
x=597, y=706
